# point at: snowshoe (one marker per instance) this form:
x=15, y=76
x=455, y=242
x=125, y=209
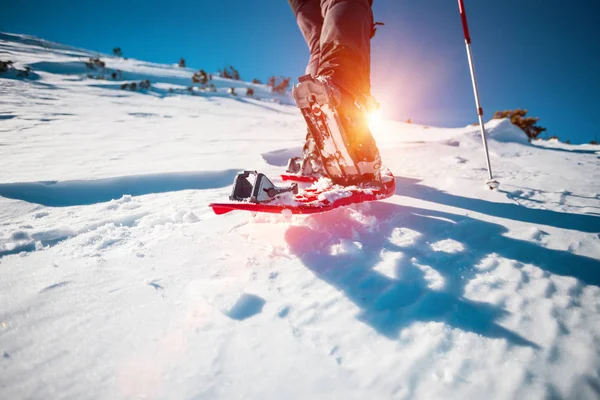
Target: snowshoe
x=256, y=193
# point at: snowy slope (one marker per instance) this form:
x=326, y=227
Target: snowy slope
x=117, y=281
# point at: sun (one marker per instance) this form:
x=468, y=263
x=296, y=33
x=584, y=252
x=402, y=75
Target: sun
x=374, y=117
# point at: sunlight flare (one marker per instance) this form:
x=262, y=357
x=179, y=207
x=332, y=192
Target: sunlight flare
x=375, y=118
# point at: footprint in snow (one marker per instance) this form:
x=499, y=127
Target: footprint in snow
x=55, y=286
x=284, y=312
x=248, y=305
x=156, y=285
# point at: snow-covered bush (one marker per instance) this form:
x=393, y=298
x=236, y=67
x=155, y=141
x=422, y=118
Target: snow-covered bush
x=94, y=63
x=201, y=77
x=527, y=124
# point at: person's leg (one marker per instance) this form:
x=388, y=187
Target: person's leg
x=310, y=21
x=346, y=59
x=345, y=45
x=338, y=33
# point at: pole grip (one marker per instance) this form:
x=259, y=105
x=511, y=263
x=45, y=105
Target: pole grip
x=463, y=17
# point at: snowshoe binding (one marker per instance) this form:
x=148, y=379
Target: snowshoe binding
x=255, y=187
x=309, y=167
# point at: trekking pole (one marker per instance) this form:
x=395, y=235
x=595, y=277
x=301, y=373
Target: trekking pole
x=491, y=182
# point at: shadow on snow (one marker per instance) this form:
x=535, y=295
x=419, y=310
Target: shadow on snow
x=390, y=304
x=281, y=157
x=579, y=222
x=78, y=193
x=573, y=151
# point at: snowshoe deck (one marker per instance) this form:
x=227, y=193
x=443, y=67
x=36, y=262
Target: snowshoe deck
x=298, y=178
x=321, y=197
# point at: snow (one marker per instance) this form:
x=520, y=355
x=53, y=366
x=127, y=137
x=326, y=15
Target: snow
x=117, y=281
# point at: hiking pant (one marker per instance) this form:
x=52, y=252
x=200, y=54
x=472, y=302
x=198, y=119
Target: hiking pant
x=338, y=34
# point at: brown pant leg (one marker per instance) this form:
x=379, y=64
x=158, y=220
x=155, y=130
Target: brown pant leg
x=345, y=44
x=310, y=20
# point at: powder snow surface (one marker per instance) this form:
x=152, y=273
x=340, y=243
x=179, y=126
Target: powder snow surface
x=118, y=282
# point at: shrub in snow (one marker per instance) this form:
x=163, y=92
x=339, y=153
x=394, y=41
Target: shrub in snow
x=118, y=52
x=201, y=77
x=5, y=65
x=95, y=62
x=135, y=86
x=193, y=89
x=181, y=63
x=593, y=142
x=231, y=91
x=256, y=81
x=249, y=92
x=24, y=73
x=279, y=85
x=116, y=75
x=224, y=73
x=230, y=73
x=145, y=84
x=235, y=74
x=527, y=124
x=129, y=86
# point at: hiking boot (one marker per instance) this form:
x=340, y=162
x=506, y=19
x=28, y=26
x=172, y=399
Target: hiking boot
x=361, y=143
x=340, y=141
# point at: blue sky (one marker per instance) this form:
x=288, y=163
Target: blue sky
x=543, y=55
